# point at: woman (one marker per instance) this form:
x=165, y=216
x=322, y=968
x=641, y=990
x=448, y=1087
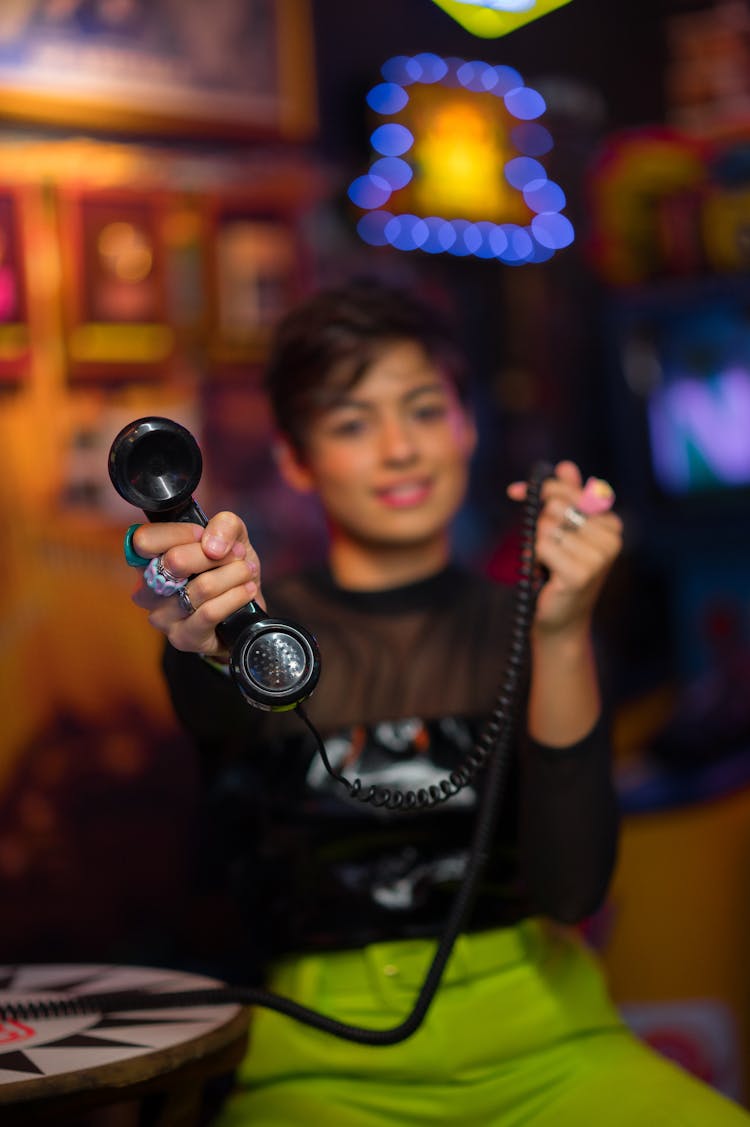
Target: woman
x=343, y=900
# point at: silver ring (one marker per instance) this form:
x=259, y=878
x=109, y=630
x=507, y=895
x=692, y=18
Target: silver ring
x=573, y=519
x=160, y=579
x=183, y=598
x=165, y=573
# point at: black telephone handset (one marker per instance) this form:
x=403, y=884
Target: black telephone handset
x=155, y=464
x=148, y=477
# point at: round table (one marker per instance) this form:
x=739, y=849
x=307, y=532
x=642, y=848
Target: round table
x=157, y=1060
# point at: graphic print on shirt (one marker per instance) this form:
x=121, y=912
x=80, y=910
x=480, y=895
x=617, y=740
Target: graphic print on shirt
x=409, y=754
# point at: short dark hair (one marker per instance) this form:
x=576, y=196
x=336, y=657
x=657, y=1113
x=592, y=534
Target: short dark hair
x=324, y=346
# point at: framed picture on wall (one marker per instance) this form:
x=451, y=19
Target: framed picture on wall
x=14, y=331
x=114, y=292
x=192, y=67
x=254, y=261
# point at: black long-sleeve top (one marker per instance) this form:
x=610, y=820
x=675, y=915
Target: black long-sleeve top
x=409, y=676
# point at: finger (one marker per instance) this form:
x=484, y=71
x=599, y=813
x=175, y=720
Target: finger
x=205, y=585
x=565, y=482
x=569, y=473
x=604, y=529
x=517, y=490
x=215, y=583
x=597, y=496
x=558, y=506
x=196, y=633
x=187, y=560
x=151, y=540
x=591, y=549
x=222, y=533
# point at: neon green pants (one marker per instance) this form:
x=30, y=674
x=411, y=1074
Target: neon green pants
x=521, y=1032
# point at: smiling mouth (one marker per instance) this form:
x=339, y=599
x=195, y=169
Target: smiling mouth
x=405, y=495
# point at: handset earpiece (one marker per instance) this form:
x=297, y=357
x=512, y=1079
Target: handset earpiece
x=155, y=464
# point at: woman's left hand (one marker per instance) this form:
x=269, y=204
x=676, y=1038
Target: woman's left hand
x=577, y=548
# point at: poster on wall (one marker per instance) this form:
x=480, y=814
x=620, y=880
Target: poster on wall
x=14, y=333
x=228, y=67
x=115, y=307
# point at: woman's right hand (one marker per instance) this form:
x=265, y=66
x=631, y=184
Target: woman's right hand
x=225, y=574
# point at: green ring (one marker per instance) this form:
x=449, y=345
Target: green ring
x=132, y=557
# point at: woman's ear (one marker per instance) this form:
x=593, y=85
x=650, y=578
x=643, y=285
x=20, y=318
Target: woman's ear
x=291, y=466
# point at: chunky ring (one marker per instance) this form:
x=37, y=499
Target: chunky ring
x=573, y=519
x=160, y=579
x=131, y=556
x=183, y=598
x=598, y=496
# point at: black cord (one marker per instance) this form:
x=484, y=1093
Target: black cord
x=464, y=774
x=492, y=751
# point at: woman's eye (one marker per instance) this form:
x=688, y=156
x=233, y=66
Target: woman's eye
x=345, y=427
x=429, y=411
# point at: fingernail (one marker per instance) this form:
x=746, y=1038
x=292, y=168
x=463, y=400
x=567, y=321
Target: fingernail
x=598, y=496
x=215, y=544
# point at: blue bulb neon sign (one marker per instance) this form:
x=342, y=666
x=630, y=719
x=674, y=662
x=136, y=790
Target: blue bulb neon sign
x=433, y=157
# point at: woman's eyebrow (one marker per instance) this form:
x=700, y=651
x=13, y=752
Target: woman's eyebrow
x=426, y=389
x=413, y=392
x=348, y=400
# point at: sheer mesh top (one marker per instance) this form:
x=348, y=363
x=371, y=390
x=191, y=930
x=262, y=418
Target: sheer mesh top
x=409, y=675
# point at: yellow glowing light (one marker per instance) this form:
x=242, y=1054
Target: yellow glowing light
x=489, y=23
x=458, y=152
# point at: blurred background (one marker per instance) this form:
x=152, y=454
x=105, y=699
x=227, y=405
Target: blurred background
x=573, y=181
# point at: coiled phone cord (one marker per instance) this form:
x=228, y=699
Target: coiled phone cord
x=492, y=751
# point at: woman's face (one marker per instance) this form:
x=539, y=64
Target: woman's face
x=390, y=459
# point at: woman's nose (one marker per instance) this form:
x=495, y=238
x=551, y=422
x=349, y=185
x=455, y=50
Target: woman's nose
x=398, y=444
